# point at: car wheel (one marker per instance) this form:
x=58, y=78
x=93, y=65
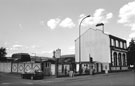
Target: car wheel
x=32, y=77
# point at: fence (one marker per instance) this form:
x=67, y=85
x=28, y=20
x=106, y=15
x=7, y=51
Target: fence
x=5, y=67
x=18, y=67
x=23, y=67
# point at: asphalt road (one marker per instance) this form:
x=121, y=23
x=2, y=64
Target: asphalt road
x=112, y=79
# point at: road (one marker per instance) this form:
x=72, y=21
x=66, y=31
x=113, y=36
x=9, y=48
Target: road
x=112, y=79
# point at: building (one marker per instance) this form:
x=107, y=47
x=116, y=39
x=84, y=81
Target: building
x=64, y=64
x=47, y=64
x=118, y=49
x=110, y=50
x=21, y=57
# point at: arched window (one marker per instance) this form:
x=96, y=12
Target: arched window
x=115, y=58
x=119, y=58
x=124, y=60
x=112, y=62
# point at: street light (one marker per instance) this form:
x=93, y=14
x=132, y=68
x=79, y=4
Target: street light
x=80, y=42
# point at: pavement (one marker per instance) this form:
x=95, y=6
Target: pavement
x=112, y=79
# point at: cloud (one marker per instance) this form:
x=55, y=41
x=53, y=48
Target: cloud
x=109, y=16
x=19, y=47
x=34, y=46
x=52, y=23
x=46, y=52
x=71, y=49
x=132, y=35
x=6, y=43
x=67, y=23
x=42, y=23
x=99, y=12
x=127, y=17
x=20, y=26
x=99, y=16
x=16, y=47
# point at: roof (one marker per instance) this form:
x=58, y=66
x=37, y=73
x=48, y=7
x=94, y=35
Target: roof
x=70, y=55
x=38, y=58
x=115, y=37
x=88, y=30
x=110, y=35
x=67, y=58
x=20, y=54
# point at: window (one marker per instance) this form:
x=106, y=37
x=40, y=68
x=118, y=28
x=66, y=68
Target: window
x=121, y=46
x=119, y=58
x=47, y=64
x=112, y=60
x=112, y=42
x=124, y=60
x=115, y=58
x=117, y=44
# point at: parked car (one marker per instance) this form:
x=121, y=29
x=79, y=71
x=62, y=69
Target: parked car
x=33, y=74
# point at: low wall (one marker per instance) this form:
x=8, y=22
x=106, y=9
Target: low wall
x=118, y=68
x=5, y=67
x=124, y=68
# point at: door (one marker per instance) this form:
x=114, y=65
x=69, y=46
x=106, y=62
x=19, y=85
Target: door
x=47, y=68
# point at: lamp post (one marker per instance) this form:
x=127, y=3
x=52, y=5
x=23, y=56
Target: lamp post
x=80, y=43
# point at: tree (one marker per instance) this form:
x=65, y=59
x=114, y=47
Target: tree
x=2, y=54
x=131, y=53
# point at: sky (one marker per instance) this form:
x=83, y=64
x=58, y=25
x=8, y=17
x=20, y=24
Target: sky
x=39, y=27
